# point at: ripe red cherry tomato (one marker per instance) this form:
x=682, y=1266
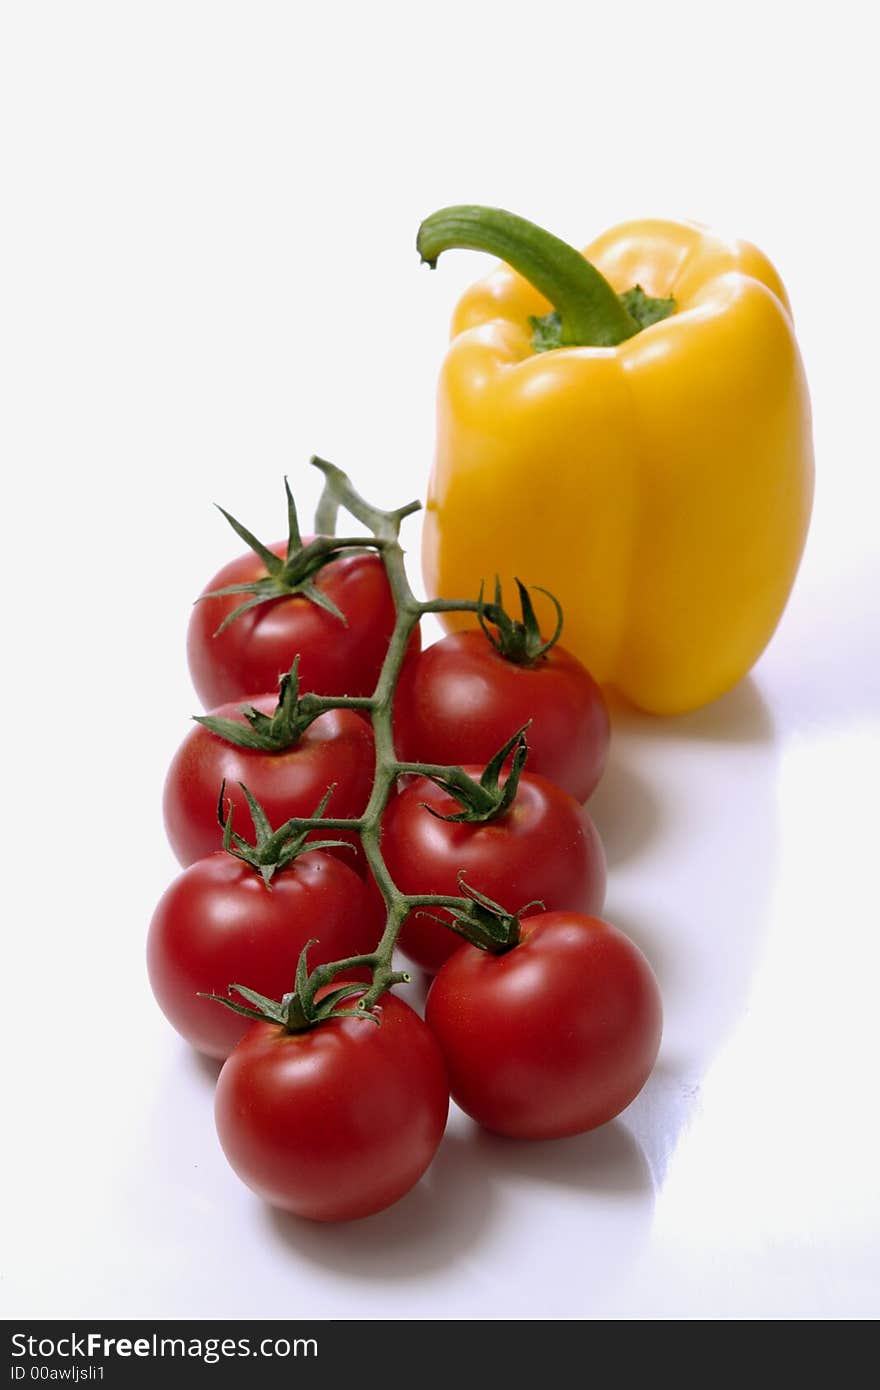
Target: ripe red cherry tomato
x=257, y=647
x=543, y=847
x=218, y=924
x=337, y=748
x=460, y=700
x=555, y=1036
x=337, y=1122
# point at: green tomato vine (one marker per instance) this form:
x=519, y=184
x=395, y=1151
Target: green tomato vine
x=481, y=921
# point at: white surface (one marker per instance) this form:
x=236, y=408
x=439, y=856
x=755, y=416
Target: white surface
x=209, y=275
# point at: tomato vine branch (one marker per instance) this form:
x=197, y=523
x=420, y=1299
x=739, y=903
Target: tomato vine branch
x=471, y=911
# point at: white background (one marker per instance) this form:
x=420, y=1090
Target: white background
x=208, y=274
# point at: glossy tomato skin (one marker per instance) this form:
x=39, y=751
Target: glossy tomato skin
x=544, y=847
x=218, y=924
x=338, y=1122
x=552, y=1038
x=459, y=701
x=335, y=750
x=255, y=650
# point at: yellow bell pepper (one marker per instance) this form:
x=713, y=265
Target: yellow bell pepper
x=658, y=479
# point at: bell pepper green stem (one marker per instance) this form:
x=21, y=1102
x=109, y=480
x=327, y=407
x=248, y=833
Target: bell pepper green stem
x=591, y=313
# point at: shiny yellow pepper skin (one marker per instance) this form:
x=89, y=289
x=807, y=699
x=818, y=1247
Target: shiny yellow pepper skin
x=660, y=487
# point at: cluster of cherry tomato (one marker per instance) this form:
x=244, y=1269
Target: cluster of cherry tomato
x=549, y=1037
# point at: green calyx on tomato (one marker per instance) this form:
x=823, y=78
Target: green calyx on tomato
x=301, y=1008
x=482, y=922
x=290, y=575
x=487, y=799
x=272, y=850
x=518, y=640
x=270, y=733
x=483, y=792
x=317, y=1115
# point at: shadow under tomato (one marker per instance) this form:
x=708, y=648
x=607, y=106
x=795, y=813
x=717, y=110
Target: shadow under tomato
x=577, y=1214
x=607, y=1161
x=625, y=808
x=208, y=1068
x=628, y=807
x=448, y=1212
x=699, y=903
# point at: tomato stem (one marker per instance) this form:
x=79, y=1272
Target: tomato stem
x=482, y=801
x=477, y=918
